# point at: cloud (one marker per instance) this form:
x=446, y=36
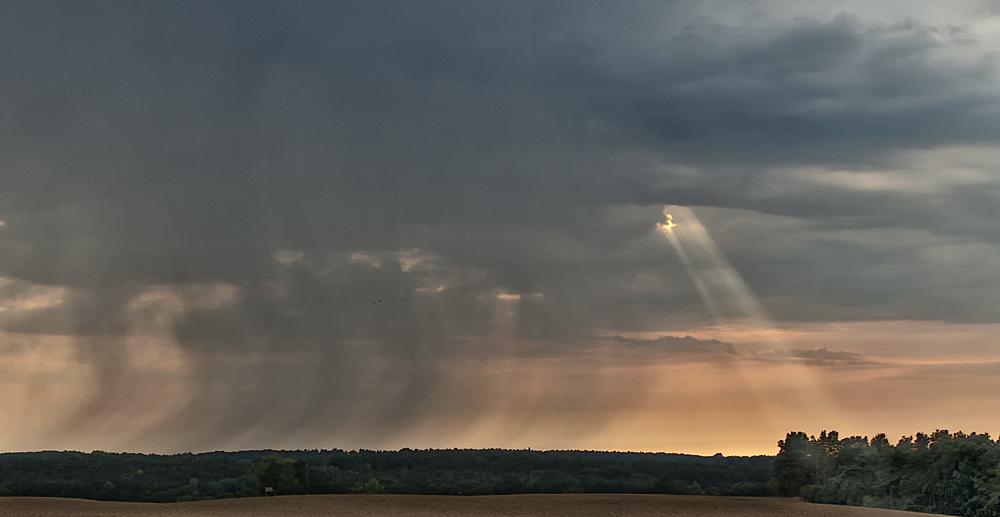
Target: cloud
x=241, y=183
x=822, y=357
x=19, y=297
x=288, y=257
x=681, y=345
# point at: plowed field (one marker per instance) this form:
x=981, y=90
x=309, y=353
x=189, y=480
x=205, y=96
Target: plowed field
x=583, y=505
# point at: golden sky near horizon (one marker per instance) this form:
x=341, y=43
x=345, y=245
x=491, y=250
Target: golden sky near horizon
x=622, y=391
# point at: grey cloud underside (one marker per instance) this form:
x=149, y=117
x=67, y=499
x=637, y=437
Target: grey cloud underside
x=823, y=358
x=529, y=148
x=682, y=345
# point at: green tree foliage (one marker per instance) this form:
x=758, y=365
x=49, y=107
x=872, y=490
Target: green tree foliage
x=185, y=477
x=793, y=465
x=955, y=474
x=285, y=476
x=125, y=477
x=371, y=487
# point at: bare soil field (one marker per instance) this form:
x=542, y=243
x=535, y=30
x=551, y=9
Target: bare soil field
x=535, y=505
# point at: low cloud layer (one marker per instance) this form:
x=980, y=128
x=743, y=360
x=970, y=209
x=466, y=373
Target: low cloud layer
x=823, y=358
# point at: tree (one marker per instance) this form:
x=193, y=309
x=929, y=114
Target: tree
x=286, y=476
x=793, y=466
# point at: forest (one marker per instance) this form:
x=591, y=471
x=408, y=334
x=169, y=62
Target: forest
x=213, y=475
x=941, y=472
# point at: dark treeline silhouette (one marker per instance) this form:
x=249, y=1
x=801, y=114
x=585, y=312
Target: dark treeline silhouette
x=186, y=477
x=955, y=474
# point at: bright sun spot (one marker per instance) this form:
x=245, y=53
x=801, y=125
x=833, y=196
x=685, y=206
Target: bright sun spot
x=667, y=226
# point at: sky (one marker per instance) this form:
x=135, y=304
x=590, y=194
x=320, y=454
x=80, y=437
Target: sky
x=444, y=224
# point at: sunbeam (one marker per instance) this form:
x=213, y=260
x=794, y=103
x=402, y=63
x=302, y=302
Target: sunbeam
x=731, y=303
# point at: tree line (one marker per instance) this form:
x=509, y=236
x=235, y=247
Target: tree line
x=941, y=472
x=187, y=477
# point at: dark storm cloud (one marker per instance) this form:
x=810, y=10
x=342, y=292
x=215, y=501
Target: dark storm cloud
x=288, y=110
x=519, y=149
